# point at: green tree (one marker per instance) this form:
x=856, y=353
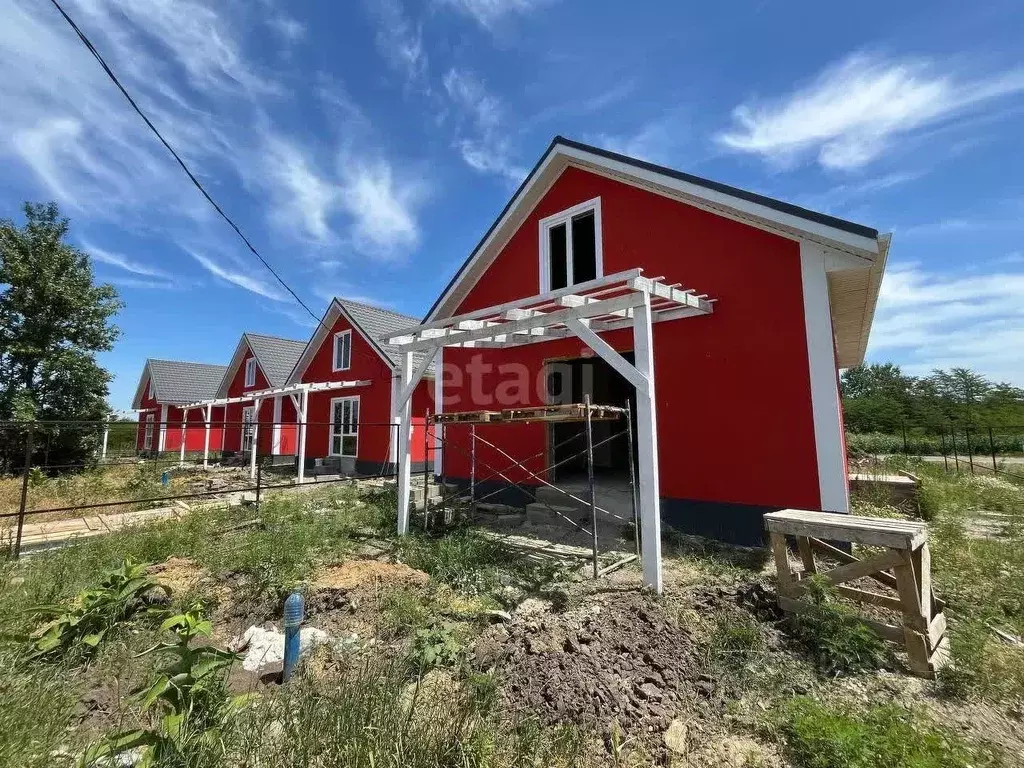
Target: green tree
x=962, y=391
x=54, y=318
x=876, y=397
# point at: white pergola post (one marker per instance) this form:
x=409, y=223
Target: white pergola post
x=207, y=415
x=301, y=404
x=255, y=437
x=275, y=439
x=184, y=425
x=106, y=434
x=404, y=454
x=647, y=447
x=162, y=434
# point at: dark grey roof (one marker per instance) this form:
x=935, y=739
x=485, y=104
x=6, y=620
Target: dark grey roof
x=176, y=381
x=276, y=356
x=375, y=322
x=742, y=194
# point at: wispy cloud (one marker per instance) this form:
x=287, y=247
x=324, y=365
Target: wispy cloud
x=490, y=13
x=398, y=39
x=941, y=320
x=290, y=29
x=123, y=262
x=237, y=275
x=481, y=136
x=857, y=110
x=659, y=140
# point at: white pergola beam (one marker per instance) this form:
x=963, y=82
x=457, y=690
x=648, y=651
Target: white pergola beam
x=610, y=356
x=406, y=393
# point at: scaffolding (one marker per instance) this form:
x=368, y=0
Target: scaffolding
x=619, y=301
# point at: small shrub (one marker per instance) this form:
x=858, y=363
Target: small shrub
x=886, y=736
x=79, y=630
x=837, y=640
x=435, y=646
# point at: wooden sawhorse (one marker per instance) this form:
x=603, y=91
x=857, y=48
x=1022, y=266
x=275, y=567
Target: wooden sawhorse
x=906, y=554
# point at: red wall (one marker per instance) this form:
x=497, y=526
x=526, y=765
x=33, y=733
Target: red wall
x=733, y=393
x=233, y=425
x=195, y=429
x=375, y=430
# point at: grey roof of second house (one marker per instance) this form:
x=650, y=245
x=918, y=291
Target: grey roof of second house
x=276, y=356
x=177, y=381
x=375, y=322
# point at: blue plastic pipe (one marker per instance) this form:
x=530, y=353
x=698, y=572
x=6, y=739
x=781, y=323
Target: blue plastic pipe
x=294, y=613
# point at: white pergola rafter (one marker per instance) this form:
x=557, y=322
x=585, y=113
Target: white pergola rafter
x=623, y=300
x=299, y=395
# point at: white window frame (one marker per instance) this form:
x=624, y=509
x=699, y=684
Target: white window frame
x=334, y=351
x=343, y=434
x=250, y=372
x=248, y=420
x=147, y=435
x=565, y=217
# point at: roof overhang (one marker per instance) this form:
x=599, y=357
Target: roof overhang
x=236, y=360
x=851, y=248
x=140, y=389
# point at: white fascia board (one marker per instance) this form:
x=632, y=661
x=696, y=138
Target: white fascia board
x=140, y=390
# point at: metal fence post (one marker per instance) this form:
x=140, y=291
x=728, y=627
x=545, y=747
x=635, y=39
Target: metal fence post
x=970, y=448
x=906, y=448
x=590, y=481
x=632, y=478
x=426, y=471
x=24, y=491
x=992, y=445
x=259, y=480
x=945, y=460
x=472, y=468
x=956, y=458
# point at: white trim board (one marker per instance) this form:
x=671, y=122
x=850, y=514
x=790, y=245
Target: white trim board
x=565, y=217
x=824, y=386
x=330, y=427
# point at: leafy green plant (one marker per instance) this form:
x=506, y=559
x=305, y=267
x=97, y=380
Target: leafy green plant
x=837, y=640
x=817, y=735
x=188, y=693
x=80, y=629
x=435, y=646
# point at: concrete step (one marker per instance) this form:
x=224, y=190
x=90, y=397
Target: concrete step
x=545, y=513
x=554, y=498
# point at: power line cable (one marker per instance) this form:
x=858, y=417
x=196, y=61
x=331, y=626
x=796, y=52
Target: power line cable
x=96, y=54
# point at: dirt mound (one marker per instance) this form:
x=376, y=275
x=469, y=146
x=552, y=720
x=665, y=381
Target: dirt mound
x=180, y=574
x=354, y=574
x=618, y=658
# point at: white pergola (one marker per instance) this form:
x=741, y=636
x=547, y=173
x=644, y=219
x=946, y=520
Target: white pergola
x=299, y=394
x=623, y=300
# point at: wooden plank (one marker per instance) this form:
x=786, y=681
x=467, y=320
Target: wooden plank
x=871, y=598
x=846, y=557
x=921, y=560
x=860, y=568
x=936, y=630
x=894, y=534
x=910, y=597
x=782, y=569
x=940, y=657
x=888, y=631
x=806, y=554
x=917, y=652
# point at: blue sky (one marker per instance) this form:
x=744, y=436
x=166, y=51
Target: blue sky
x=365, y=147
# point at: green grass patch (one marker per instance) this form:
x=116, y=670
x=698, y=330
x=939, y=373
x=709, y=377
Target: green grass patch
x=817, y=735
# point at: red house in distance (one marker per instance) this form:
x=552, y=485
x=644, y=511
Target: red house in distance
x=721, y=315
x=164, y=387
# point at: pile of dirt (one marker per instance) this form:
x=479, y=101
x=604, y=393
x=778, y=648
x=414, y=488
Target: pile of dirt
x=181, y=575
x=619, y=660
x=355, y=574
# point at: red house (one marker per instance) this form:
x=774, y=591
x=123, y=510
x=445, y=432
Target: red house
x=259, y=363
x=354, y=431
x=164, y=387
x=722, y=315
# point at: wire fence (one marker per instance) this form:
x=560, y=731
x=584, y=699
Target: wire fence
x=974, y=448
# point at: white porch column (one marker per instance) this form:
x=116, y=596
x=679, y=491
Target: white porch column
x=302, y=409
x=255, y=437
x=184, y=434
x=162, y=434
x=404, y=454
x=647, y=447
x=207, y=415
x=275, y=432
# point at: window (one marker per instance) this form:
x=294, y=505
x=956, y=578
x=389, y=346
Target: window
x=250, y=372
x=344, y=426
x=248, y=426
x=570, y=246
x=147, y=439
x=342, y=351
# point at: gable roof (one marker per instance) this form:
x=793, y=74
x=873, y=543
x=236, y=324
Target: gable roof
x=274, y=355
x=371, y=322
x=179, y=382
x=854, y=246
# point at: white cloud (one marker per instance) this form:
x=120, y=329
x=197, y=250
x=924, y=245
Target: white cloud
x=122, y=262
x=399, y=41
x=290, y=29
x=857, y=109
x=657, y=141
x=481, y=137
x=929, y=320
x=382, y=208
x=241, y=278
x=489, y=13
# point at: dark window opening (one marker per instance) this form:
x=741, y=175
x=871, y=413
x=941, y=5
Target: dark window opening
x=584, y=248
x=557, y=253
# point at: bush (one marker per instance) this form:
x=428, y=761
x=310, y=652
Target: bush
x=886, y=736
x=837, y=640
